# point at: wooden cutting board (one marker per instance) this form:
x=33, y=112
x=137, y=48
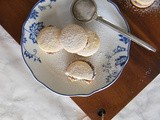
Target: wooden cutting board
x=143, y=65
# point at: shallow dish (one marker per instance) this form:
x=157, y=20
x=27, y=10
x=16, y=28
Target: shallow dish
x=48, y=69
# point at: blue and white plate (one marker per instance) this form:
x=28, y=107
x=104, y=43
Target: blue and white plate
x=48, y=69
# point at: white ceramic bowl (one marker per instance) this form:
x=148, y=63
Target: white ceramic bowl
x=48, y=69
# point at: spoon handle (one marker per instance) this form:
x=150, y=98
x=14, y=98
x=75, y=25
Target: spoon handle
x=130, y=36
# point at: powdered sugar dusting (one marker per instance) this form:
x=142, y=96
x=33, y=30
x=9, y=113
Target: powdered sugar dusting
x=73, y=38
x=108, y=61
x=80, y=70
x=154, y=8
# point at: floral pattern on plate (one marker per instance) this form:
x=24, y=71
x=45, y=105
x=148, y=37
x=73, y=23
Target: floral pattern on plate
x=110, y=69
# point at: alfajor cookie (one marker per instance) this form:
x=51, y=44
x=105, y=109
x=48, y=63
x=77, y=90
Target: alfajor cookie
x=48, y=39
x=93, y=44
x=73, y=38
x=80, y=71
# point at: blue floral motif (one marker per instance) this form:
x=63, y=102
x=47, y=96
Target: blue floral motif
x=32, y=55
x=50, y=0
x=34, y=14
x=108, y=78
x=42, y=1
x=119, y=49
x=34, y=30
x=24, y=40
x=45, y=7
x=108, y=67
x=114, y=73
x=41, y=7
x=36, y=27
x=27, y=54
x=111, y=73
x=124, y=39
x=121, y=60
x=33, y=37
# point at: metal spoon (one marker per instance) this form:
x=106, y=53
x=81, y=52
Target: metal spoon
x=86, y=11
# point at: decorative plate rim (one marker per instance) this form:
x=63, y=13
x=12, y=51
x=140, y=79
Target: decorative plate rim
x=75, y=95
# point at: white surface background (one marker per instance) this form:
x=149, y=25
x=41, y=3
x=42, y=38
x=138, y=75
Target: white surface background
x=22, y=98
x=145, y=106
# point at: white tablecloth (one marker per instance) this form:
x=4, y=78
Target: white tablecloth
x=23, y=98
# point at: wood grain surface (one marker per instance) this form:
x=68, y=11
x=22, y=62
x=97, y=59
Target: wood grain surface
x=143, y=65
